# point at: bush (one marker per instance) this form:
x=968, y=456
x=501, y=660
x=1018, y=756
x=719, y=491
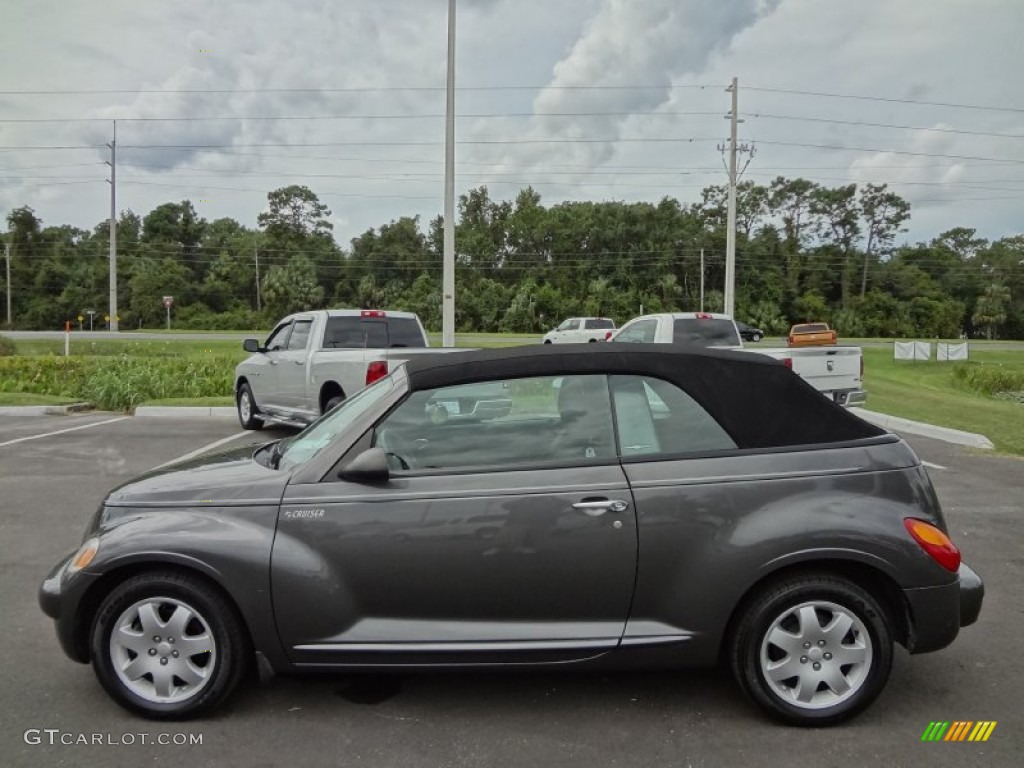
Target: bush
x=118, y=384
x=7, y=347
x=988, y=379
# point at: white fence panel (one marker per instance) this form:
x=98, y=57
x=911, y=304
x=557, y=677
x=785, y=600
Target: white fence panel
x=946, y=351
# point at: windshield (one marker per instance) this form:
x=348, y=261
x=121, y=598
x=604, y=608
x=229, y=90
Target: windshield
x=308, y=443
x=706, y=332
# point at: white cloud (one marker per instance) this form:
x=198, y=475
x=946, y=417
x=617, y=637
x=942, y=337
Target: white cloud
x=956, y=52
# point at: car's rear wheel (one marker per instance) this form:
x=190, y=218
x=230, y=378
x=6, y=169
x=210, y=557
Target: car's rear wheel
x=547, y=341
x=167, y=645
x=247, y=409
x=812, y=650
x=333, y=403
x=756, y=337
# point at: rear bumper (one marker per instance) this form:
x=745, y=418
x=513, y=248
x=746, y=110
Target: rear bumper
x=938, y=613
x=851, y=398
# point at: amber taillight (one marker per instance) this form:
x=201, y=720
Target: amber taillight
x=934, y=542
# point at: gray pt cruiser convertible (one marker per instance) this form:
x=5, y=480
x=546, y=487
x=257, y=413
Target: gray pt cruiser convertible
x=622, y=506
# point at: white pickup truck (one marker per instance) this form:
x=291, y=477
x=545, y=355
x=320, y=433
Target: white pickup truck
x=836, y=372
x=312, y=361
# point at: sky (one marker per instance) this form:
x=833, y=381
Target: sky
x=583, y=100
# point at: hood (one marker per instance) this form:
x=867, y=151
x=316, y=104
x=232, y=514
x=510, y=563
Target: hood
x=226, y=478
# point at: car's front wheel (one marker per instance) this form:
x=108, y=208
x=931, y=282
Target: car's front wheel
x=812, y=650
x=167, y=645
x=756, y=337
x=247, y=409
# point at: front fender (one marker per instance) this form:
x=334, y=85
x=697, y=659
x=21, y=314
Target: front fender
x=230, y=546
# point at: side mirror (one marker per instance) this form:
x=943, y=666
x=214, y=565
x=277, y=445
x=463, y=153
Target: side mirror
x=370, y=466
x=251, y=345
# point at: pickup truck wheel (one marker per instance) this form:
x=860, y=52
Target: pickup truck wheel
x=247, y=409
x=812, y=650
x=167, y=645
x=333, y=403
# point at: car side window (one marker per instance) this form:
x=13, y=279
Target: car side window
x=657, y=417
x=502, y=424
x=278, y=339
x=641, y=331
x=300, y=334
x=572, y=324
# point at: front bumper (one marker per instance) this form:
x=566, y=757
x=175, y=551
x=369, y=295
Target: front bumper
x=938, y=613
x=59, y=597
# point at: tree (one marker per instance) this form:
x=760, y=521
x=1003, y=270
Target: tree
x=292, y=288
x=294, y=214
x=884, y=213
x=990, y=310
x=838, y=225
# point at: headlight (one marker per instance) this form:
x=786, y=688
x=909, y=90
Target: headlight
x=84, y=555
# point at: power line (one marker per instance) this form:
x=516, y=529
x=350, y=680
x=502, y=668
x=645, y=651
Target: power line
x=359, y=89
x=886, y=125
x=822, y=94
x=405, y=116
x=885, y=151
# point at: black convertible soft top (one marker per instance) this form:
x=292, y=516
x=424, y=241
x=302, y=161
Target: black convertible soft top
x=756, y=399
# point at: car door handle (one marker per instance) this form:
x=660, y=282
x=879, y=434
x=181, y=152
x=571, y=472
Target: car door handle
x=299, y=362
x=597, y=507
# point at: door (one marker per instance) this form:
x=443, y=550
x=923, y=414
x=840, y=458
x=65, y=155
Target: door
x=507, y=536
x=567, y=331
x=263, y=378
x=292, y=365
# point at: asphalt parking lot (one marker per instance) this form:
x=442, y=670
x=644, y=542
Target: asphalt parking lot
x=54, y=471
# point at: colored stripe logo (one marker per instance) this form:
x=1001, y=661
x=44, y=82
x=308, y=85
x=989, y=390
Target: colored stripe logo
x=959, y=730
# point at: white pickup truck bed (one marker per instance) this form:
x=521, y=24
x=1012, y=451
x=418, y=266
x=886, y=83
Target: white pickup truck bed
x=836, y=372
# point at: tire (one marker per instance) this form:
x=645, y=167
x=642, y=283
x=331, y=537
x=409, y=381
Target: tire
x=186, y=613
x=805, y=607
x=333, y=403
x=547, y=341
x=756, y=337
x=247, y=409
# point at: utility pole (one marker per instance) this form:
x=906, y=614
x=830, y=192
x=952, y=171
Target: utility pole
x=113, y=229
x=701, y=279
x=7, y=254
x=730, y=235
x=256, y=253
x=448, y=275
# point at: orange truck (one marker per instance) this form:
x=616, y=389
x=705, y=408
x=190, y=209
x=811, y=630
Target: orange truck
x=811, y=335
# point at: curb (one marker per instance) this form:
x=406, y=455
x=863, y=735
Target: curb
x=188, y=411
x=44, y=410
x=945, y=434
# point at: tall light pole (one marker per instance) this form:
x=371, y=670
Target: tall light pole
x=113, y=229
x=448, y=276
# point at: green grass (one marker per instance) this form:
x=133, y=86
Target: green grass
x=29, y=398
x=927, y=391
x=136, y=348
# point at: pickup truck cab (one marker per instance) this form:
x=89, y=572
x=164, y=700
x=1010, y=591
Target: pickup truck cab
x=836, y=372
x=811, y=335
x=578, y=330
x=313, y=361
